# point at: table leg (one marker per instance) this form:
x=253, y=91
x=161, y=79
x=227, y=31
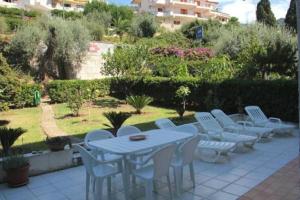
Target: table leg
x=126, y=178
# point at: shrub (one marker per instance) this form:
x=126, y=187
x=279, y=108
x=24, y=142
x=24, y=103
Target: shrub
x=75, y=100
x=276, y=97
x=15, y=90
x=116, y=119
x=8, y=136
x=144, y=25
x=139, y=102
x=15, y=162
x=58, y=89
x=126, y=60
x=66, y=14
x=3, y=26
x=190, y=54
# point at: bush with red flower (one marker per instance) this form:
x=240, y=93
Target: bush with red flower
x=190, y=54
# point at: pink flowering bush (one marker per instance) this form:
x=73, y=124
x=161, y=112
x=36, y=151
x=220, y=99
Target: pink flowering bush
x=190, y=54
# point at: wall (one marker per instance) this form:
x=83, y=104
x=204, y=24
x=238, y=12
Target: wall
x=93, y=61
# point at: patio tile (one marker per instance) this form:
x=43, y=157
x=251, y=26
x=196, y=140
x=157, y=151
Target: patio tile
x=188, y=196
x=43, y=189
x=201, y=178
x=52, y=196
x=247, y=182
x=236, y=189
x=203, y=191
x=239, y=171
x=228, y=177
x=222, y=196
x=216, y=184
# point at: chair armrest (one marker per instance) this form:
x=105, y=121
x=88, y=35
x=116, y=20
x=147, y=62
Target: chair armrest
x=276, y=120
x=245, y=123
x=205, y=136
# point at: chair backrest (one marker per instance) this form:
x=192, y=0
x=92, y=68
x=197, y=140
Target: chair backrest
x=222, y=118
x=127, y=130
x=208, y=122
x=164, y=123
x=88, y=159
x=96, y=135
x=188, y=148
x=256, y=114
x=162, y=160
x=187, y=128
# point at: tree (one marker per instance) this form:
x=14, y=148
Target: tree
x=264, y=13
x=98, y=6
x=50, y=47
x=144, y=26
x=291, y=18
x=126, y=61
x=233, y=21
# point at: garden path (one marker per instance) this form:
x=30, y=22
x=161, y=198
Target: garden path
x=49, y=125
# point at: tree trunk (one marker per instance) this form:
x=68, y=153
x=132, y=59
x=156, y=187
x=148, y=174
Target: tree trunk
x=298, y=32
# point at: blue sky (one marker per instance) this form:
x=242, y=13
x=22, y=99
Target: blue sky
x=242, y=9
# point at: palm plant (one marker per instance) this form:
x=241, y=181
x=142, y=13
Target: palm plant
x=139, y=102
x=116, y=119
x=8, y=136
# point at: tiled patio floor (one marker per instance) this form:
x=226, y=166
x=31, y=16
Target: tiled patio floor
x=223, y=181
x=284, y=184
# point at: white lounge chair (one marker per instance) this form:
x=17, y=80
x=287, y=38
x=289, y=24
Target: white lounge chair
x=219, y=149
x=243, y=127
x=259, y=119
x=214, y=130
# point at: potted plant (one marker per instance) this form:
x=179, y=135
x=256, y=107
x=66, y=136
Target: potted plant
x=16, y=168
x=58, y=143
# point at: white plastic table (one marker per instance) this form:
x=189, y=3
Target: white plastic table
x=123, y=146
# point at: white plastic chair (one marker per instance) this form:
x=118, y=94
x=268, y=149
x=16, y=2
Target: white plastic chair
x=244, y=127
x=127, y=130
x=185, y=157
x=100, y=135
x=164, y=123
x=160, y=168
x=96, y=172
x=210, y=125
x=259, y=119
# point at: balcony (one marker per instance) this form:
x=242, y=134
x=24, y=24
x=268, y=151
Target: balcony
x=206, y=6
x=184, y=3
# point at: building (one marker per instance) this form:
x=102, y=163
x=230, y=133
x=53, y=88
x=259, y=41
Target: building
x=173, y=13
x=68, y=5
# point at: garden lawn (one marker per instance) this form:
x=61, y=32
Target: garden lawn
x=92, y=118
x=29, y=119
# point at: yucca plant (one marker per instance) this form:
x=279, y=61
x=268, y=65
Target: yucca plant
x=116, y=119
x=8, y=136
x=139, y=102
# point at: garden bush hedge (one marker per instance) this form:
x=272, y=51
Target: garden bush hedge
x=58, y=89
x=276, y=98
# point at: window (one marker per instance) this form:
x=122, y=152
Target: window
x=183, y=11
x=159, y=9
x=183, y=0
x=176, y=22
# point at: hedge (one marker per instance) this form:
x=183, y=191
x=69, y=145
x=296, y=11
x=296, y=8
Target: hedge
x=58, y=89
x=276, y=98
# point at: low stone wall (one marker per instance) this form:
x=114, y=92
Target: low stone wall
x=46, y=161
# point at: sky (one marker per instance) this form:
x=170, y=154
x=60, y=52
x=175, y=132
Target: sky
x=242, y=9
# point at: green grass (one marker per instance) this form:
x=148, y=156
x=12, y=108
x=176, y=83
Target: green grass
x=29, y=119
x=92, y=118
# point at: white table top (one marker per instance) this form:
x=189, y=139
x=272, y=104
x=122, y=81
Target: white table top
x=155, y=138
